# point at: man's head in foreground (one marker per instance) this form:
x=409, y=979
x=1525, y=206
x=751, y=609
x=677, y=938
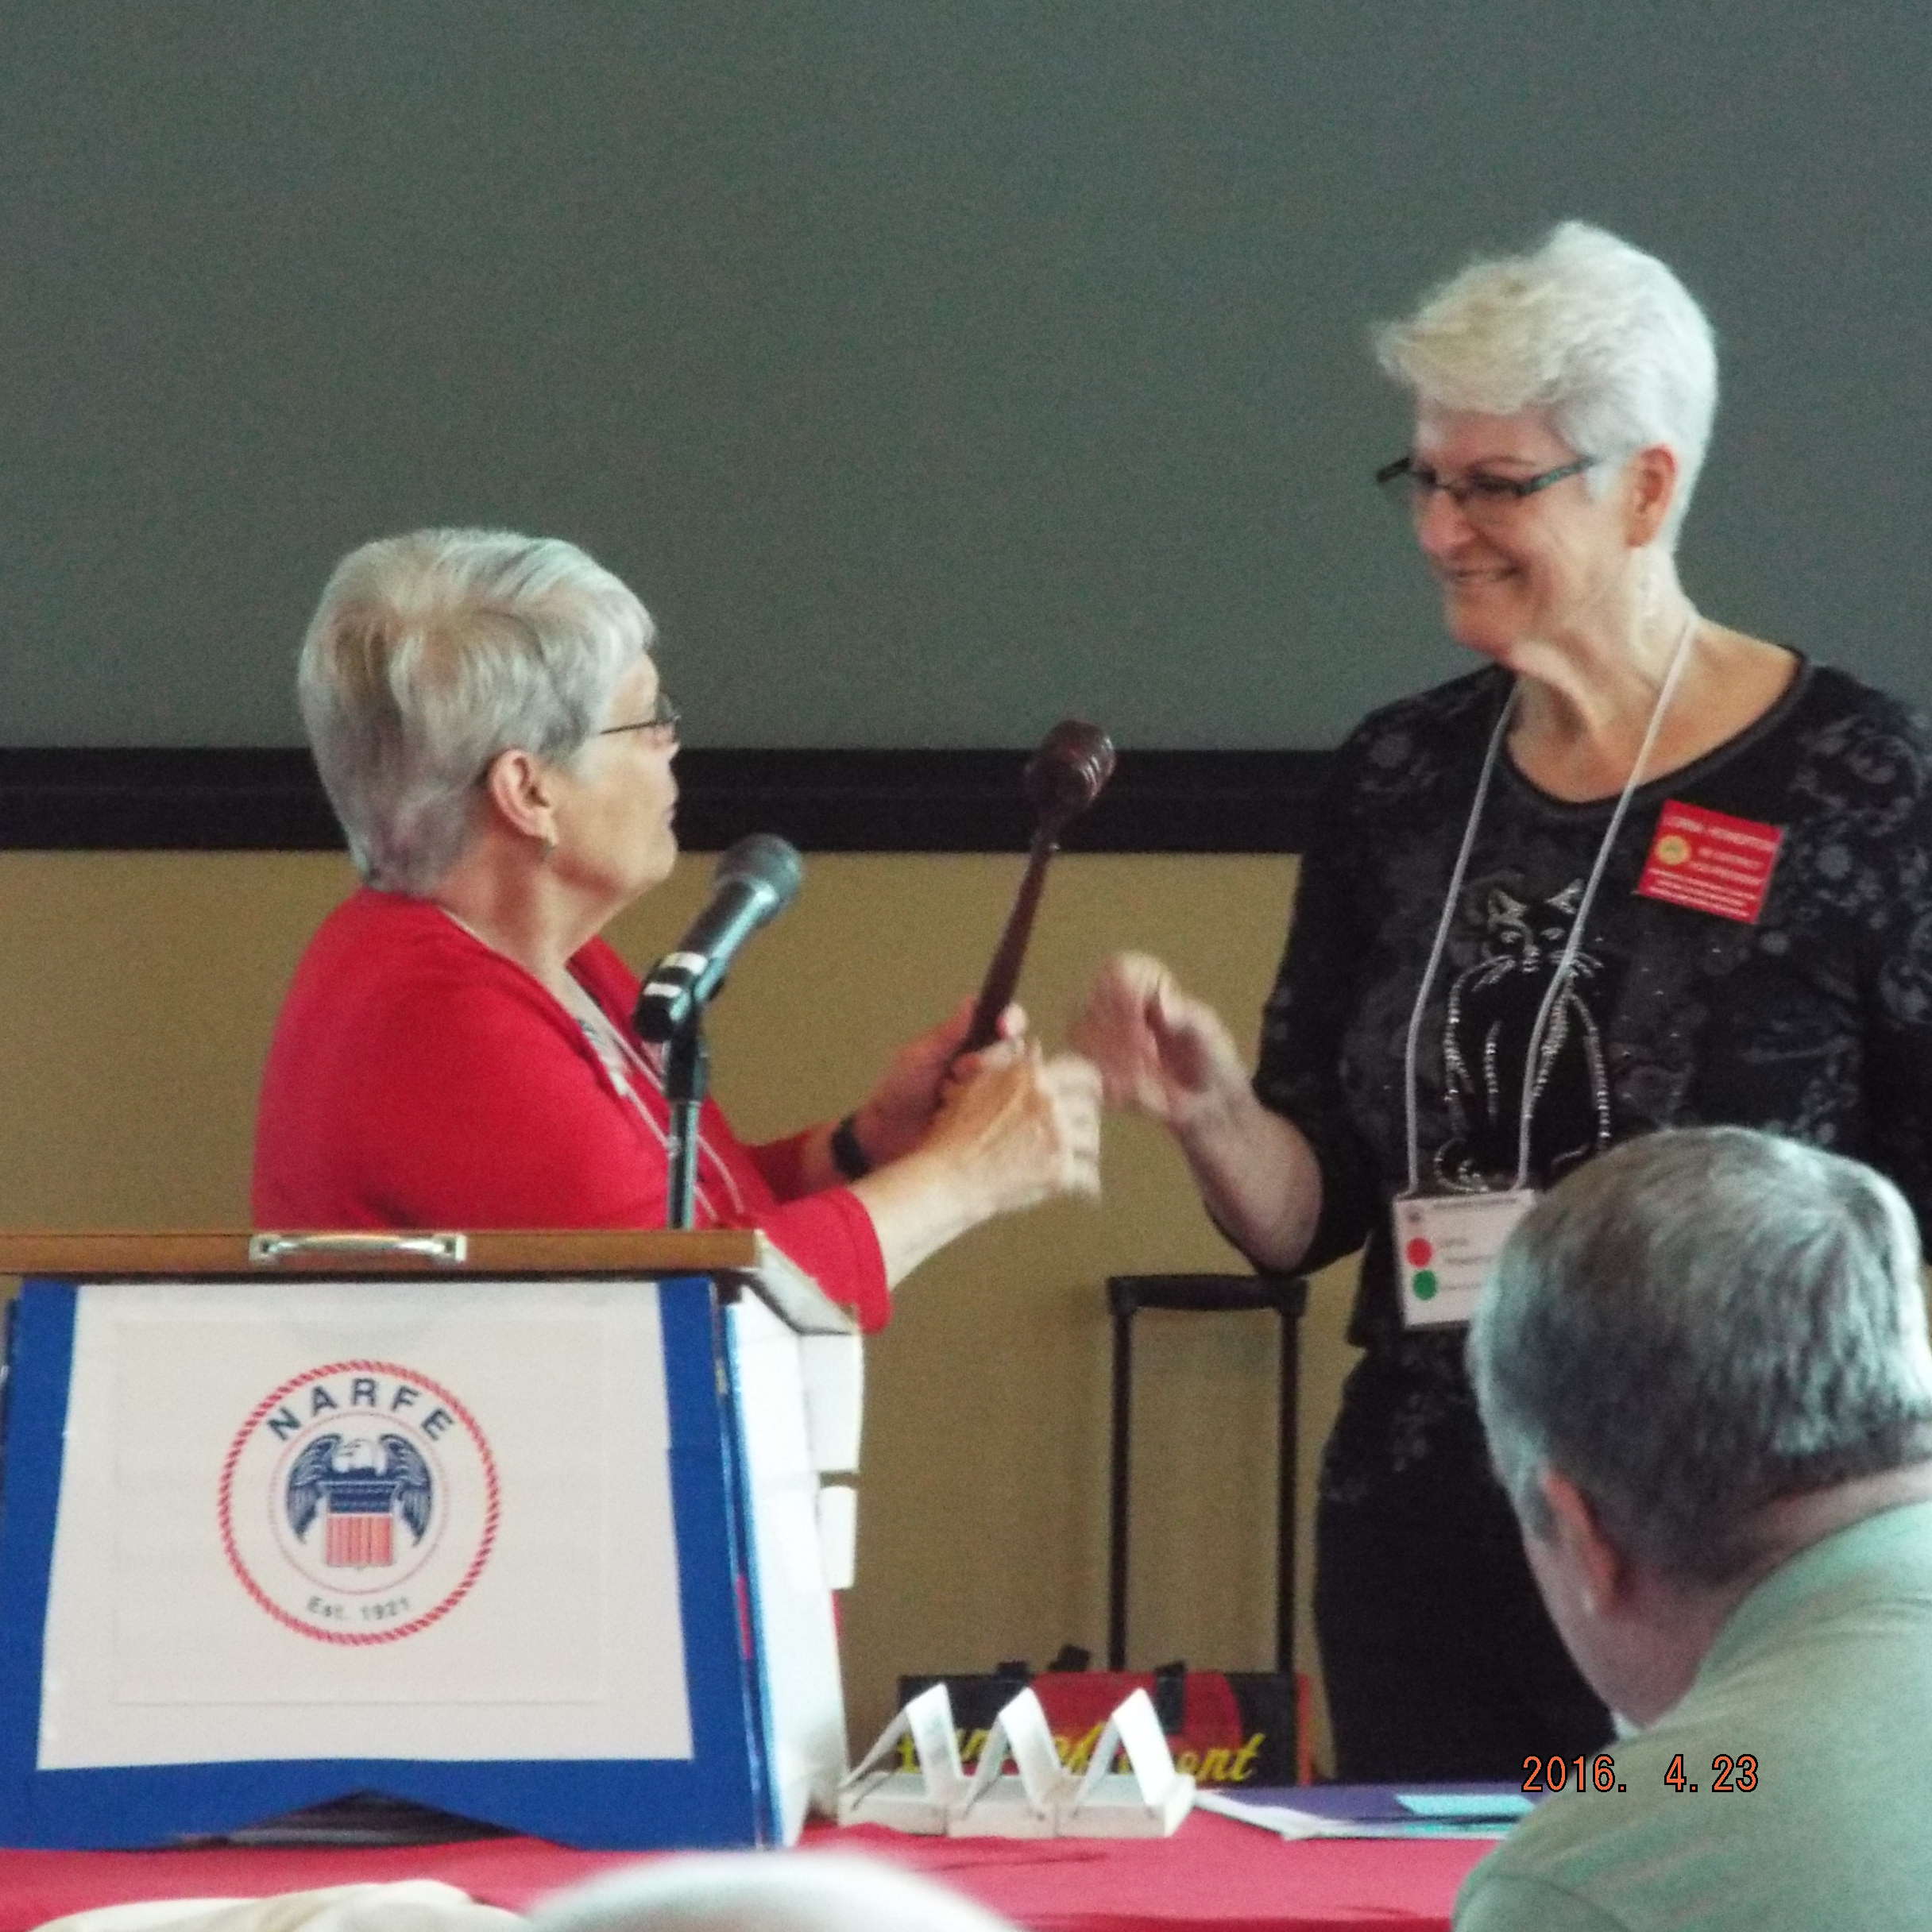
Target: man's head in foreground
x=1701, y=1354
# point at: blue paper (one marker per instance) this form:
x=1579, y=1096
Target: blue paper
x=1464, y=1807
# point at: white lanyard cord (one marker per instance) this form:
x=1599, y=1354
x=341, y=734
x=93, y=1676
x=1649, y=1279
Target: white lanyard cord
x=604, y=1034
x=1572, y=946
x=613, y=1036
x=1442, y=939
x=1565, y=966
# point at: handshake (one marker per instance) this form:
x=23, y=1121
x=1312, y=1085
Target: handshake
x=950, y=1137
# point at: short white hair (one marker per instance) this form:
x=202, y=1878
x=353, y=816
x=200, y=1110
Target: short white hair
x=1696, y=1324
x=431, y=653
x=766, y=1891
x=1597, y=335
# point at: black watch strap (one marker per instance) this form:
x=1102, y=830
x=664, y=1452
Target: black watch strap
x=848, y=1155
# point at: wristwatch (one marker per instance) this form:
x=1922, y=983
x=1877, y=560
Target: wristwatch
x=848, y=1155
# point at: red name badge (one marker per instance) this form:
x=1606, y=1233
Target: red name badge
x=1711, y=862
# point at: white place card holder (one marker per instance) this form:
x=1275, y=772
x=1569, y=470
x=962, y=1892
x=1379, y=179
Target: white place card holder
x=875, y=1792
x=1025, y=1803
x=1148, y=1800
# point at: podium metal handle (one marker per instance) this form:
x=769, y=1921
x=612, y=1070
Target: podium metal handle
x=449, y=1250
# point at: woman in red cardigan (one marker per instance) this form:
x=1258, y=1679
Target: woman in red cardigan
x=457, y=1049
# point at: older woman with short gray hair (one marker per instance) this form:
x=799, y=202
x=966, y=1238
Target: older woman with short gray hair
x=458, y=1049
x=1639, y=870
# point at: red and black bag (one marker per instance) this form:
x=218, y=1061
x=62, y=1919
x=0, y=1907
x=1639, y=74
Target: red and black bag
x=1225, y=1727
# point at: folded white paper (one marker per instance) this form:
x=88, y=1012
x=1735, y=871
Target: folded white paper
x=1148, y=1800
x=877, y=1791
x=1037, y=1798
x=1027, y=1803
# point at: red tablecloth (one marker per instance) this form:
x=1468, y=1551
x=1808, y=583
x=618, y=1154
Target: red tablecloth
x=1213, y=1874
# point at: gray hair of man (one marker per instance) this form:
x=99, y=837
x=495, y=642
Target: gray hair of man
x=429, y=654
x=1695, y=1325
x=1601, y=337
x=766, y=1891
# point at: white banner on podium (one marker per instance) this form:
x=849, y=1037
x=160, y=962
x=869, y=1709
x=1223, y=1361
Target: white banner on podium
x=272, y=1547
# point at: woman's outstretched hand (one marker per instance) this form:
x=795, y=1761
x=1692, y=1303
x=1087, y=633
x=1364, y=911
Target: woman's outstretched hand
x=1159, y=1050
x=1165, y=1053
x=896, y=1114
x=1019, y=1127
x=1010, y=1127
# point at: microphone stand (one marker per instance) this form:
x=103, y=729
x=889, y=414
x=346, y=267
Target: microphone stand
x=687, y=1068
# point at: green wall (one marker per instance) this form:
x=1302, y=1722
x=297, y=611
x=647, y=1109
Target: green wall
x=932, y=369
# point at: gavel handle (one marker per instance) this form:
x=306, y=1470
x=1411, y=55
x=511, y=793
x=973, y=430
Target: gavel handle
x=1003, y=975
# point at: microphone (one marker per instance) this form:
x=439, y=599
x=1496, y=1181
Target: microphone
x=755, y=881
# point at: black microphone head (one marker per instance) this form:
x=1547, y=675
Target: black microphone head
x=763, y=858
x=755, y=881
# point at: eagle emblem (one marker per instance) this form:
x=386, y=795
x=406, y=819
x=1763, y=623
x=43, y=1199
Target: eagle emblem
x=360, y=1487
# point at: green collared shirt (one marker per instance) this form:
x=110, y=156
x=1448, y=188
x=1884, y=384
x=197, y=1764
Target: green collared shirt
x=1790, y=1788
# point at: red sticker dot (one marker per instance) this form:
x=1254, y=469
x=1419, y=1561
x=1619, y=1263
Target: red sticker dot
x=1420, y=1253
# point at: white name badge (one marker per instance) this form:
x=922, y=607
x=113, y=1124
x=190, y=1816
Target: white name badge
x=1445, y=1247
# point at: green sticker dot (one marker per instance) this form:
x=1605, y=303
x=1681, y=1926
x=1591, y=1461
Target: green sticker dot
x=1425, y=1285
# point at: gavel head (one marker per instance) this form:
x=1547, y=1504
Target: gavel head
x=1068, y=772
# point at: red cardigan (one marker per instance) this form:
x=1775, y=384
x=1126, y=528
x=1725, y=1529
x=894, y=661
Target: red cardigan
x=418, y=1079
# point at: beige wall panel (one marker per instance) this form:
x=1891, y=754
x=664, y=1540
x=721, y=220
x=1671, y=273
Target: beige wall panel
x=137, y=993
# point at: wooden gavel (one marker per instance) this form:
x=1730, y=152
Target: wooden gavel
x=1063, y=777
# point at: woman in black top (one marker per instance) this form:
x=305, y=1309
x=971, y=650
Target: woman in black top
x=1641, y=870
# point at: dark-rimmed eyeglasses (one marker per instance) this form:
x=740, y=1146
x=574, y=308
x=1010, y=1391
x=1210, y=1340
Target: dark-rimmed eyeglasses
x=662, y=723
x=1412, y=484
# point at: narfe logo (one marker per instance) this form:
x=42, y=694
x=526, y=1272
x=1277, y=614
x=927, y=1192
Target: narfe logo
x=359, y=1502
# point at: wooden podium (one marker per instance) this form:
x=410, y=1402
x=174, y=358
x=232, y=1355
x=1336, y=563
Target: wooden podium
x=527, y=1527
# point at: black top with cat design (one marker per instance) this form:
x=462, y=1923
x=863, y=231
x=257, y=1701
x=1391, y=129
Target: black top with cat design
x=1816, y=1022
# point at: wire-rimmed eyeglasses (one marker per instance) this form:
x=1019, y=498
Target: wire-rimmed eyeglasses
x=662, y=723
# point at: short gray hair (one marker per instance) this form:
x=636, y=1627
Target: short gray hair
x=1696, y=1324
x=766, y=1891
x=1602, y=337
x=429, y=654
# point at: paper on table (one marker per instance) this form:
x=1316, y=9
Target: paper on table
x=1467, y=1807
x=1287, y=1822
x=1283, y=1820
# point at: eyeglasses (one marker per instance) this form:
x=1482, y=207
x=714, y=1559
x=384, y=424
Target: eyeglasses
x=662, y=723
x=1480, y=494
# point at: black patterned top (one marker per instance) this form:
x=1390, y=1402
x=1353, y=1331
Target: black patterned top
x=1816, y=1022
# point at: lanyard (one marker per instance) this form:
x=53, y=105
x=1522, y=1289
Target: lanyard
x=1532, y=1087
x=620, y=1057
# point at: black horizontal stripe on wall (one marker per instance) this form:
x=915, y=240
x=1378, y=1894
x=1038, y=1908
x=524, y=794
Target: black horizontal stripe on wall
x=240, y=799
